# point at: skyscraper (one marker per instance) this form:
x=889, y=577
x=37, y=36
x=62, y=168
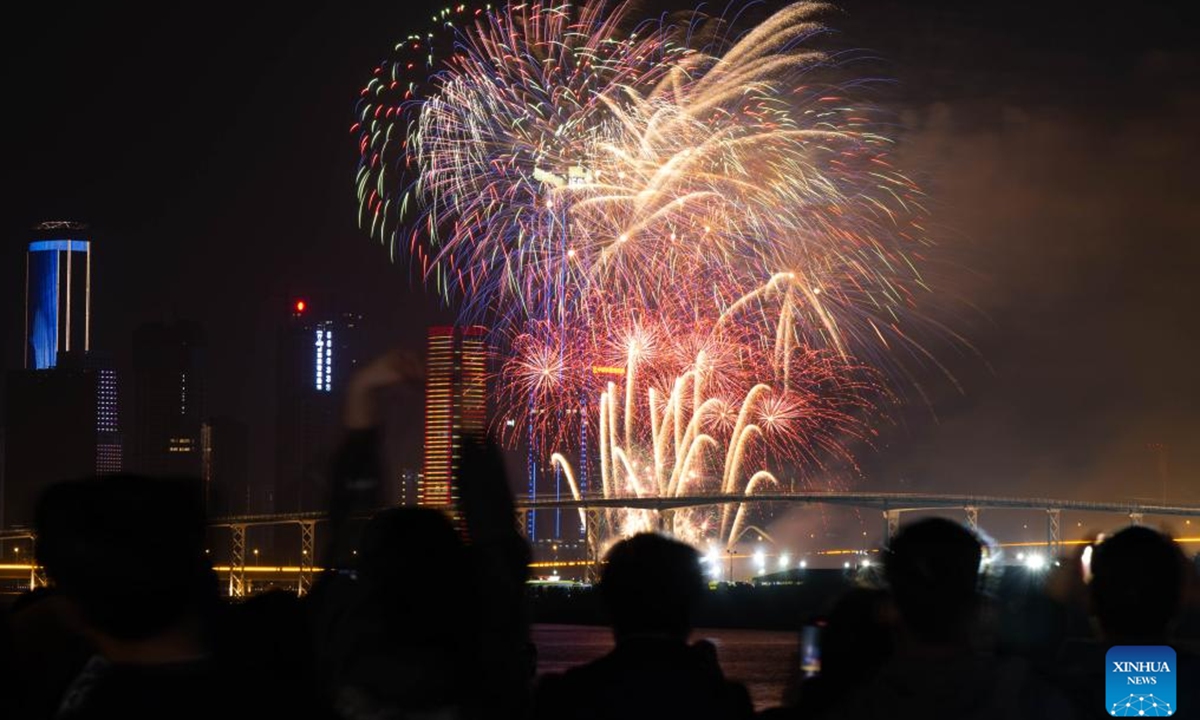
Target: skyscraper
x=168, y=398
x=318, y=350
x=58, y=293
x=61, y=412
x=225, y=466
x=455, y=407
x=104, y=405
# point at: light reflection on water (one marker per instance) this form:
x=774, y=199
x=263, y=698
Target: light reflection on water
x=759, y=659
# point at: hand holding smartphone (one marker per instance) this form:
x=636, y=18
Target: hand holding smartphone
x=810, y=648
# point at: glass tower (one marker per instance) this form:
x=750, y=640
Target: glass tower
x=58, y=294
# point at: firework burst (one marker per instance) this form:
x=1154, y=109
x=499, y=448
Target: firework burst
x=681, y=236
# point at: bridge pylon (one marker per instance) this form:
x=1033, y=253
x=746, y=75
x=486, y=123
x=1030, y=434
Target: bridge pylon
x=237, y=561
x=666, y=522
x=37, y=573
x=972, y=517
x=891, y=525
x=1053, y=532
x=307, y=549
x=591, y=572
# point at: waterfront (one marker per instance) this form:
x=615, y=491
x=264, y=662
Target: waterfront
x=757, y=658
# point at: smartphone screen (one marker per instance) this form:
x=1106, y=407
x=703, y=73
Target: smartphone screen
x=810, y=650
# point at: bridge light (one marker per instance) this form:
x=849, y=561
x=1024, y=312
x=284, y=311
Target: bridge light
x=1035, y=562
x=846, y=565
x=803, y=564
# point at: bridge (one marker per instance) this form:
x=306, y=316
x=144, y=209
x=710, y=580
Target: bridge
x=900, y=502
x=890, y=506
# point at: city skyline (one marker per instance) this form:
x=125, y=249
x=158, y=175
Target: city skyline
x=1076, y=299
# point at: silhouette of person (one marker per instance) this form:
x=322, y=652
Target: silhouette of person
x=932, y=570
x=44, y=653
x=1137, y=586
x=1135, y=596
x=127, y=553
x=650, y=587
x=419, y=615
x=855, y=642
x=398, y=637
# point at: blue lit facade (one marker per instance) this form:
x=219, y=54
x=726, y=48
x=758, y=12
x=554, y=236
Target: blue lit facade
x=57, y=300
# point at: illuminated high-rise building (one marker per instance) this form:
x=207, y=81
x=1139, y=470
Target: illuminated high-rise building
x=61, y=412
x=58, y=293
x=455, y=408
x=168, y=399
x=103, y=405
x=318, y=351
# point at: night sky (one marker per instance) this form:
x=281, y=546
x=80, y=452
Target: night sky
x=208, y=148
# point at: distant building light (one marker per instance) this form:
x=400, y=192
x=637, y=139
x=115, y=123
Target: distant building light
x=324, y=360
x=608, y=370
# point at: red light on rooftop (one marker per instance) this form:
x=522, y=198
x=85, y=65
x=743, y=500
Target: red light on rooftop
x=300, y=305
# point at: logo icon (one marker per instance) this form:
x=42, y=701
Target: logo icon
x=1140, y=681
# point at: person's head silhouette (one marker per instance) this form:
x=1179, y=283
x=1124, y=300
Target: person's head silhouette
x=1137, y=585
x=932, y=568
x=651, y=587
x=128, y=550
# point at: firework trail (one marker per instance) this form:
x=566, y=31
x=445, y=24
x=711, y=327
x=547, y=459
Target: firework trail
x=690, y=208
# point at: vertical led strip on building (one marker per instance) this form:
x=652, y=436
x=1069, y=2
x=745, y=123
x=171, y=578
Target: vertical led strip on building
x=328, y=360
x=320, y=364
x=108, y=445
x=324, y=360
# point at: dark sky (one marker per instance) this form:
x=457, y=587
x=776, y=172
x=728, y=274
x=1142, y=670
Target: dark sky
x=207, y=146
